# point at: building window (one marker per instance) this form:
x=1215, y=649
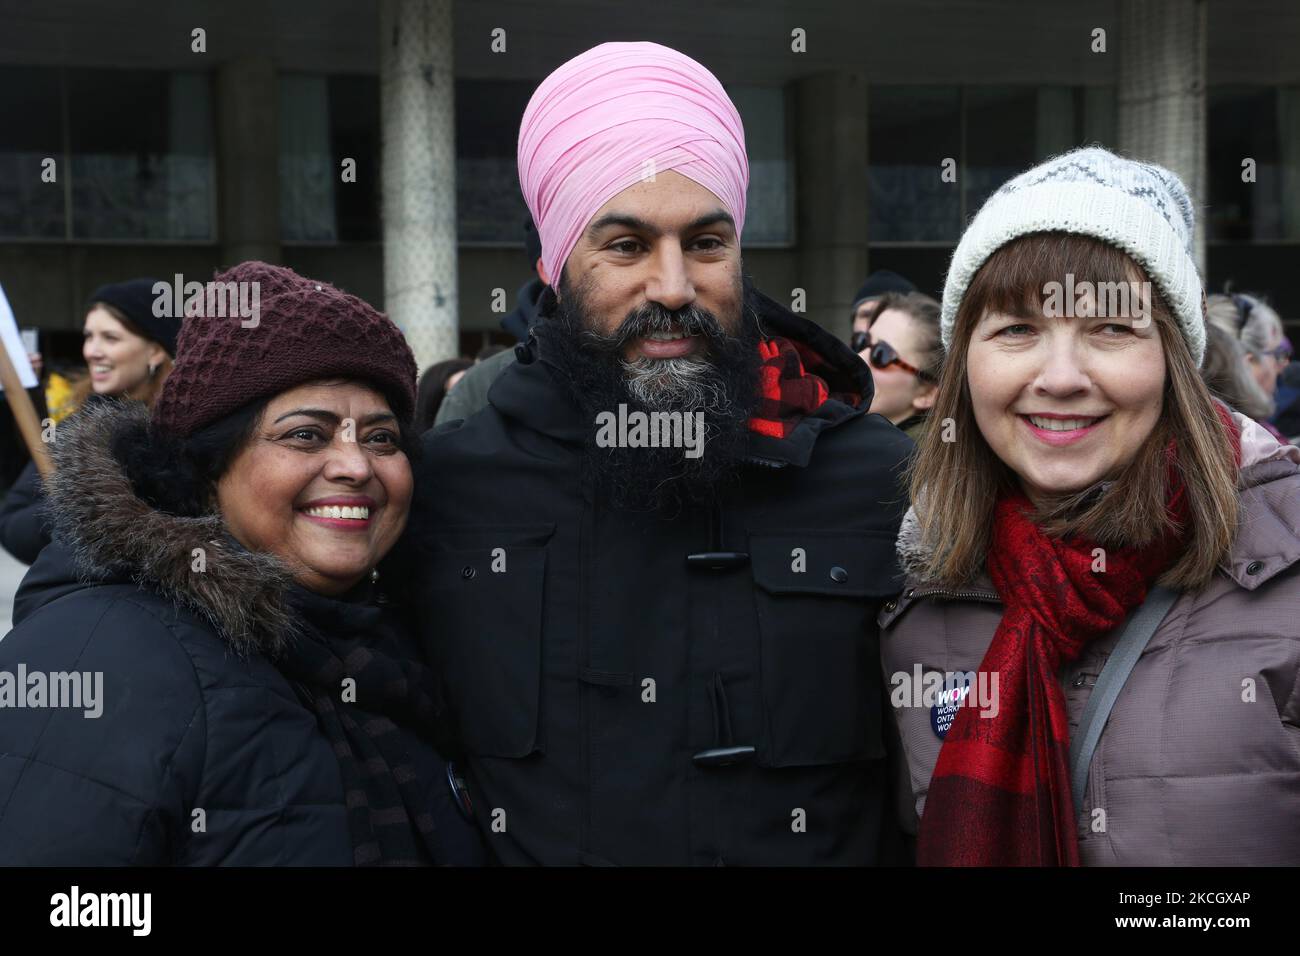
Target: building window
x=769, y=202
x=324, y=120
x=911, y=130
x=30, y=102
x=1259, y=124
x=993, y=133
x=1002, y=125
x=489, y=205
x=143, y=173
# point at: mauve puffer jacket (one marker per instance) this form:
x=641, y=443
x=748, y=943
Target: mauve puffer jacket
x=1199, y=763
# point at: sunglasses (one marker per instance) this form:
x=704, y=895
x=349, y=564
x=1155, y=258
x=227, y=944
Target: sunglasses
x=882, y=355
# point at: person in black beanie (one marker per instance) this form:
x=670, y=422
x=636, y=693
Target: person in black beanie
x=878, y=284
x=128, y=352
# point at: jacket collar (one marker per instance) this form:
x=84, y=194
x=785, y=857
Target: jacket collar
x=531, y=391
x=111, y=534
x=1268, y=536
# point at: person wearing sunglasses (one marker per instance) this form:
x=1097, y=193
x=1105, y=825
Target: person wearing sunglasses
x=879, y=284
x=902, y=348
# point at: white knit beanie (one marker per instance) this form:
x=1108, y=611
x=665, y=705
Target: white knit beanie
x=1141, y=208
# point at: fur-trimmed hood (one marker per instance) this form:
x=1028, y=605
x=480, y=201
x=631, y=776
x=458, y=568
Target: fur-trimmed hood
x=110, y=534
x=1268, y=526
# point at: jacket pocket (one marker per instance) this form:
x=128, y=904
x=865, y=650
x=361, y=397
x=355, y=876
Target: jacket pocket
x=816, y=599
x=485, y=589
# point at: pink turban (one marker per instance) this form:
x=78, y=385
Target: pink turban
x=612, y=116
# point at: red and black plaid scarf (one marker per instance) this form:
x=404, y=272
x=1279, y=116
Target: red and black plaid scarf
x=1000, y=793
x=792, y=385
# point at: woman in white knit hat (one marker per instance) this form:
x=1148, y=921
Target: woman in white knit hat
x=1095, y=657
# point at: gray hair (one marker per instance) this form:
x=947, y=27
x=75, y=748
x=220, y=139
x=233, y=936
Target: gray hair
x=1261, y=328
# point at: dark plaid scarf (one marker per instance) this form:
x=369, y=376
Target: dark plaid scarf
x=387, y=803
x=792, y=385
x=1000, y=792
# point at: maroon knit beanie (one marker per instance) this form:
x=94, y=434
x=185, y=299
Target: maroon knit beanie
x=305, y=330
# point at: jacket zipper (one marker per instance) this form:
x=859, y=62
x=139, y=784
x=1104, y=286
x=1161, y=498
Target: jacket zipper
x=917, y=593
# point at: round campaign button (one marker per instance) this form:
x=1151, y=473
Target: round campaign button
x=944, y=712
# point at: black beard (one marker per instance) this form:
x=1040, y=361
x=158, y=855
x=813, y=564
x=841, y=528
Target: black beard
x=719, y=381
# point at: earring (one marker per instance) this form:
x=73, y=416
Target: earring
x=153, y=370
x=374, y=575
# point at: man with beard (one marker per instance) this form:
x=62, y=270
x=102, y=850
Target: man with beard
x=653, y=656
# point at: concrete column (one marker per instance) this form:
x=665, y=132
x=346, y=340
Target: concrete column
x=248, y=157
x=831, y=162
x=417, y=122
x=1161, y=46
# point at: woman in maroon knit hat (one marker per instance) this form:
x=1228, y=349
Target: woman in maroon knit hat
x=259, y=699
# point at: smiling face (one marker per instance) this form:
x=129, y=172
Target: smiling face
x=322, y=484
x=1064, y=401
x=666, y=241
x=118, y=359
x=649, y=316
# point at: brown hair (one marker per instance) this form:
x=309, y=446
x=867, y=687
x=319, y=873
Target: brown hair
x=956, y=483
x=147, y=392
x=1228, y=377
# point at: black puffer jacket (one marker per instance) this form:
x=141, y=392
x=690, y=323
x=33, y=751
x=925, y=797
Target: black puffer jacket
x=200, y=754
x=23, y=532
x=24, y=527
x=636, y=688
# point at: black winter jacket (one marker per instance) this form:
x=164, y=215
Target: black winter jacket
x=636, y=689
x=24, y=526
x=201, y=754
x=23, y=531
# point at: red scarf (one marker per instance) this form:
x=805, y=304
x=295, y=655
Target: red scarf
x=1000, y=793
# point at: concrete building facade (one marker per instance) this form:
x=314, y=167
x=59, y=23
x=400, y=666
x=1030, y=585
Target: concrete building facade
x=197, y=135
